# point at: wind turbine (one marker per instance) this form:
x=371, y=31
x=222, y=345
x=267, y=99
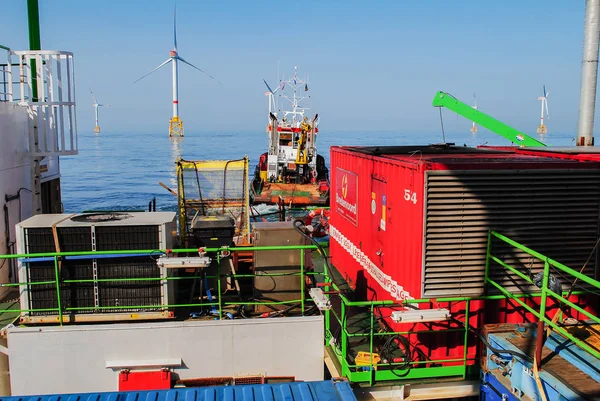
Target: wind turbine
x=271, y=94
x=96, y=105
x=542, y=127
x=474, y=127
x=175, y=123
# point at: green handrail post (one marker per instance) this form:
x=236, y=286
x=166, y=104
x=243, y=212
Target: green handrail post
x=302, y=278
x=488, y=255
x=57, y=277
x=371, y=367
x=466, y=338
x=219, y=285
x=326, y=280
x=343, y=334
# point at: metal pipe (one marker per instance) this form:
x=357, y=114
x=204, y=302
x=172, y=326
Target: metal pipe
x=160, y=251
x=589, y=74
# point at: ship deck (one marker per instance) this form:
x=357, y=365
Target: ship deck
x=294, y=194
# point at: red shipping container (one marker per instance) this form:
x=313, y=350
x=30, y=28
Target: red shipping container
x=413, y=222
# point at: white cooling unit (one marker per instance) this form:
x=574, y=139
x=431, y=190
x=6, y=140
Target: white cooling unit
x=87, y=293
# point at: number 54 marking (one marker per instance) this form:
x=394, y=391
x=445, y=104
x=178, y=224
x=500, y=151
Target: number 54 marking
x=410, y=196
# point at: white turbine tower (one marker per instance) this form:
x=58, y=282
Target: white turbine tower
x=96, y=105
x=474, y=127
x=175, y=124
x=542, y=127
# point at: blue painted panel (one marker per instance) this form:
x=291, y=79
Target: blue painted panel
x=492, y=390
x=519, y=371
x=300, y=391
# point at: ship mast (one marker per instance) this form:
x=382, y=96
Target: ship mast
x=297, y=113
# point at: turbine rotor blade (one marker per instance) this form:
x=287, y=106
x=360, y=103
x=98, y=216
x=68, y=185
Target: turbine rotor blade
x=175, y=27
x=166, y=62
x=268, y=87
x=94, y=97
x=193, y=66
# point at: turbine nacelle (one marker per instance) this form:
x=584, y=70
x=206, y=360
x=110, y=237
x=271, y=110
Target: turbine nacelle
x=173, y=53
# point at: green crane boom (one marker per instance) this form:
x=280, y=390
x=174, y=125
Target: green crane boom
x=448, y=101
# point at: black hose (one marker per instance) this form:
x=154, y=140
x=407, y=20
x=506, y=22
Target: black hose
x=499, y=352
x=388, y=349
x=311, y=239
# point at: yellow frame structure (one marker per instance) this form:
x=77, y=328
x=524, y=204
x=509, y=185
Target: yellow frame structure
x=214, y=205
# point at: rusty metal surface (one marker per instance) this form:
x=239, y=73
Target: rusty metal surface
x=296, y=194
x=561, y=369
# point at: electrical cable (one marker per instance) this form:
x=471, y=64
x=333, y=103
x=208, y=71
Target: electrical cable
x=499, y=352
x=311, y=239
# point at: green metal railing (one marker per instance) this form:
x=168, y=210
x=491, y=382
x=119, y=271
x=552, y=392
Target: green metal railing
x=219, y=302
x=341, y=343
x=546, y=293
x=340, y=335
x=349, y=322
x=463, y=367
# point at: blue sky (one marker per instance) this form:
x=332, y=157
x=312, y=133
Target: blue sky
x=373, y=66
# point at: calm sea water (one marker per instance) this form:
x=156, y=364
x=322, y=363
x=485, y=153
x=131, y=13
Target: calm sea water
x=117, y=171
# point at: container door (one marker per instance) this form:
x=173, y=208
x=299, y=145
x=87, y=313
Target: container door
x=378, y=221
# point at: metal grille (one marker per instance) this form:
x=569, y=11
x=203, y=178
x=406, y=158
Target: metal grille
x=129, y=293
x=81, y=295
x=554, y=212
x=120, y=238
x=71, y=239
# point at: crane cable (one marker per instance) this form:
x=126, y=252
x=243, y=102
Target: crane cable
x=442, y=123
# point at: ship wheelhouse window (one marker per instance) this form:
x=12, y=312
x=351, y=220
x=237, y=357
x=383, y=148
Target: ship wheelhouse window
x=285, y=139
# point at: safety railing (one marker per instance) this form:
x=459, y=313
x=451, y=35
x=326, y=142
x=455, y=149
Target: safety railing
x=346, y=338
x=341, y=335
x=220, y=305
x=350, y=326
x=43, y=81
x=358, y=345
x=547, y=293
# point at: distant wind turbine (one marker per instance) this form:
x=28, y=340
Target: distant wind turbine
x=96, y=105
x=474, y=127
x=175, y=124
x=542, y=127
x=271, y=94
